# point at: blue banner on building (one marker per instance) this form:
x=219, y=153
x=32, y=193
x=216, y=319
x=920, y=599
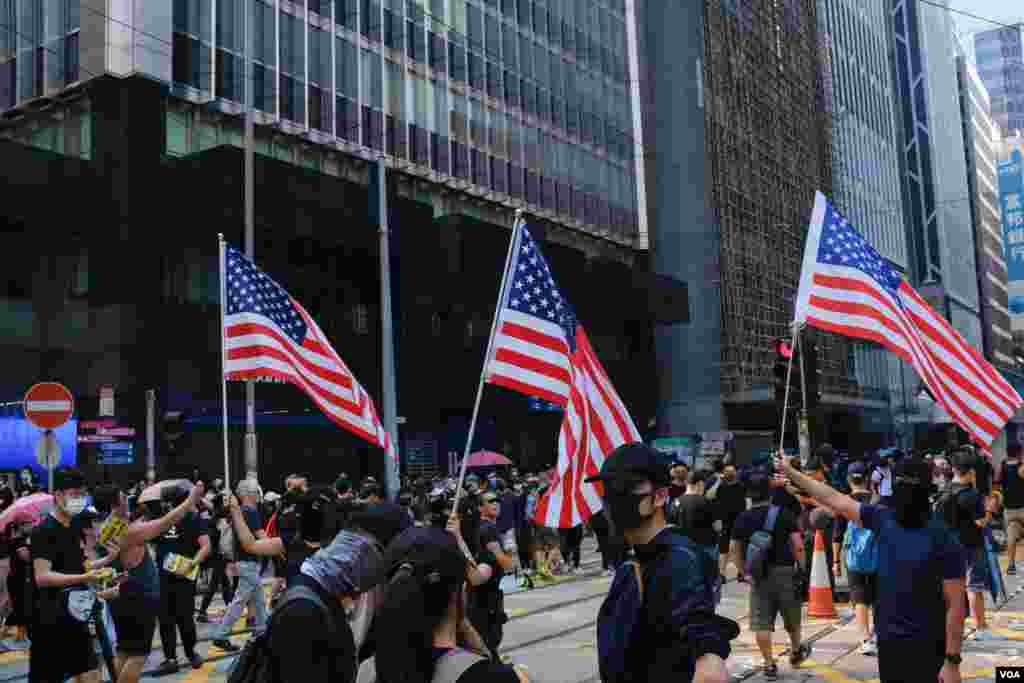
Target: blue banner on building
x=1011, y=187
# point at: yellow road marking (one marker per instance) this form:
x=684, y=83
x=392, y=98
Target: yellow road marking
x=200, y=674
x=1008, y=634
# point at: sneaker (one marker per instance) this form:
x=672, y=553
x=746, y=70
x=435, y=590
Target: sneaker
x=195, y=660
x=226, y=645
x=771, y=672
x=868, y=649
x=800, y=655
x=984, y=635
x=1011, y=570
x=170, y=666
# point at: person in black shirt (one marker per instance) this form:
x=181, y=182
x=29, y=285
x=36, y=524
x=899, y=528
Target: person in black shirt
x=19, y=580
x=190, y=539
x=695, y=514
x=1011, y=477
x=775, y=592
x=962, y=509
x=422, y=620
x=216, y=562
x=61, y=646
x=488, y=608
x=730, y=502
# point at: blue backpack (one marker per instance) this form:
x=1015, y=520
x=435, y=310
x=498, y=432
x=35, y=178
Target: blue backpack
x=861, y=549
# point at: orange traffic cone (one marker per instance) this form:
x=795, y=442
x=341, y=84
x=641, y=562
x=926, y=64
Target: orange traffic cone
x=819, y=602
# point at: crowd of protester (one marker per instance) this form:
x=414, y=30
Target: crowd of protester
x=366, y=590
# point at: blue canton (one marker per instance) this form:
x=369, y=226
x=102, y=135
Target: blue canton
x=533, y=291
x=842, y=245
x=249, y=290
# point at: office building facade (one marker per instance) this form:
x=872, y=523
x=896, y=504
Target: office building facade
x=942, y=254
x=980, y=146
x=861, y=97
x=130, y=113
x=999, y=54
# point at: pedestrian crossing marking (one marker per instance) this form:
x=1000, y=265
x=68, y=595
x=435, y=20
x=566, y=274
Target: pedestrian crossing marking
x=828, y=673
x=201, y=674
x=1008, y=634
x=517, y=612
x=964, y=675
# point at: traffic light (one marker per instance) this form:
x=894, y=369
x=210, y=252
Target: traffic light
x=784, y=351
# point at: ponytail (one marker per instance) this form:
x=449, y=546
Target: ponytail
x=406, y=621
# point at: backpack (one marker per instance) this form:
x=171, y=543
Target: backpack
x=448, y=670
x=861, y=549
x=226, y=543
x=256, y=662
x=759, y=545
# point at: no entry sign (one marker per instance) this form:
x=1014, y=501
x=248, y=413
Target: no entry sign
x=48, y=405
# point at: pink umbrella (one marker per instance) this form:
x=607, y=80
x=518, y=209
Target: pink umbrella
x=486, y=459
x=28, y=509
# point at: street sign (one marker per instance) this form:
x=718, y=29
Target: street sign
x=95, y=438
x=87, y=425
x=48, y=405
x=116, y=431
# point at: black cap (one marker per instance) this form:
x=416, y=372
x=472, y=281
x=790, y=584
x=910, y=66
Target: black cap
x=634, y=462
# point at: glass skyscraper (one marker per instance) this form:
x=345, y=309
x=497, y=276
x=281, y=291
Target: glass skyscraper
x=1000, y=57
x=524, y=102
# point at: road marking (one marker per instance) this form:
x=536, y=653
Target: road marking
x=828, y=673
x=200, y=674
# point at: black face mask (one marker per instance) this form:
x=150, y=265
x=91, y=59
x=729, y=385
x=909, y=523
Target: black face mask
x=675, y=491
x=624, y=510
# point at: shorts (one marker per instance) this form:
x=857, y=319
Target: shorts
x=1014, y=524
x=774, y=594
x=978, y=578
x=135, y=622
x=863, y=588
x=60, y=651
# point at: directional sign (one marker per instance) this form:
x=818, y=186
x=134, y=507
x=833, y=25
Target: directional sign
x=48, y=405
x=116, y=431
x=95, y=438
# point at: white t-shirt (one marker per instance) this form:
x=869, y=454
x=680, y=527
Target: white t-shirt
x=883, y=477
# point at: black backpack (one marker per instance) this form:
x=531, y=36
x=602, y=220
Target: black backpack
x=256, y=662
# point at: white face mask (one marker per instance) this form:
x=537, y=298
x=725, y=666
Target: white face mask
x=74, y=505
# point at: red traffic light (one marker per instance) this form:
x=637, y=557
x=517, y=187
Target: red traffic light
x=783, y=348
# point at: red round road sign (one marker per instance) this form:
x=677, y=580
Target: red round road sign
x=48, y=405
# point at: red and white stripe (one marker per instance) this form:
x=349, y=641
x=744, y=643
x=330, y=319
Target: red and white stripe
x=532, y=356
x=847, y=301
x=257, y=349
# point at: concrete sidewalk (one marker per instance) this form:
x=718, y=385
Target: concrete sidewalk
x=836, y=657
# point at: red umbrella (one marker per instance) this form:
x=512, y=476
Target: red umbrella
x=486, y=459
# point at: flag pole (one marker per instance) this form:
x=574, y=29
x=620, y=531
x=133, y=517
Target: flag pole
x=513, y=241
x=223, y=360
x=789, y=374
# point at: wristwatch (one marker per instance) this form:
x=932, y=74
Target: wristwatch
x=954, y=659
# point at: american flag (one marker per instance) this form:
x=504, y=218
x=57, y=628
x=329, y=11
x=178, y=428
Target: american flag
x=847, y=288
x=541, y=350
x=268, y=335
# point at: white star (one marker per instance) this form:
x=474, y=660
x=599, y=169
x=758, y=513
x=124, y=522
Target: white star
x=526, y=296
x=544, y=303
x=519, y=284
x=536, y=290
x=529, y=279
x=533, y=309
x=515, y=302
x=522, y=266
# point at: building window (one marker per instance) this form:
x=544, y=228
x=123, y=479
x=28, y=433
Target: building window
x=360, y=319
